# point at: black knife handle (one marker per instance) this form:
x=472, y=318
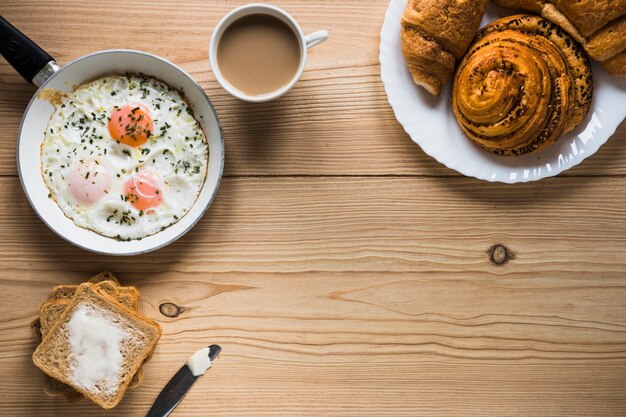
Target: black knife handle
x=21, y=52
x=173, y=393
x=177, y=387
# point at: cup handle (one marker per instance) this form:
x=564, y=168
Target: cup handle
x=315, y=38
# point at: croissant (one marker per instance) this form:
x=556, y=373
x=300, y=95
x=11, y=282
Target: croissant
x=528, y=5
x=616, y=65
x=590, y=15
x=608, y=41
x=522, y=84
x=599, y=25
x=435, y=35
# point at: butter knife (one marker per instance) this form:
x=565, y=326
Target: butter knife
x=176, y=389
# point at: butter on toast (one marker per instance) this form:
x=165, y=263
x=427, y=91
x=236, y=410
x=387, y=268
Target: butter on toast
x=50, y=312
x=97, y=319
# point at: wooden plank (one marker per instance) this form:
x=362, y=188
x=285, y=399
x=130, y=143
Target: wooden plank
x=368, y=224
x=336, y=122
x=360, y=296
x=343, y=271
x=255, y=386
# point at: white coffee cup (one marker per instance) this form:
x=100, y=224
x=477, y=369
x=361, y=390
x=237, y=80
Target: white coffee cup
x=306, y=41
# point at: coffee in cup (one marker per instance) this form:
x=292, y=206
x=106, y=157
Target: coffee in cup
x=258, y=52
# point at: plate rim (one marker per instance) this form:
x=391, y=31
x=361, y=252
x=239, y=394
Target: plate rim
x=388, y=26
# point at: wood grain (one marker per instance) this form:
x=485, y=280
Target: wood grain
x=338, y=109
x=322, y=290
x=343, y=271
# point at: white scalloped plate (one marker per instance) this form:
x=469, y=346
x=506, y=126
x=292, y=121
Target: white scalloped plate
x=430, y=123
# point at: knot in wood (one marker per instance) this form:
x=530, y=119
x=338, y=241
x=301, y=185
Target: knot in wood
x=499, y=254
x=170, y=309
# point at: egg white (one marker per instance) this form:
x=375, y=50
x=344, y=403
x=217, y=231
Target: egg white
x=177, y=150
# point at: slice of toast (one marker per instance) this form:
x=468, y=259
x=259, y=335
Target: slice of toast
x=62, y=292
x=54, y=388
x=104, y=276
x=67, y=291
x=63, y=354
x=128, y=300
x=129, y=290
x=61, y=295
x=50, y=312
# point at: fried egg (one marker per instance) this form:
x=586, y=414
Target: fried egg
x=124, y=157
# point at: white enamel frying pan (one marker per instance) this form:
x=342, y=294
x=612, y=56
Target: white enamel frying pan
x=39, y=68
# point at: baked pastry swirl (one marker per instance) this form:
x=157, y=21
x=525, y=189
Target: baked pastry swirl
x=522, y=84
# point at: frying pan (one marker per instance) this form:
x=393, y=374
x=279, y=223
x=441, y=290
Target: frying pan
x=39, y=68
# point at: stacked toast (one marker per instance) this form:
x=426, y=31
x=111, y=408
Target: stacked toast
x=93, y=341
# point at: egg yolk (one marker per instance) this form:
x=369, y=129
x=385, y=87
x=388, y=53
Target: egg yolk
x=88, y=181
x=142, y=190
x=131, y=125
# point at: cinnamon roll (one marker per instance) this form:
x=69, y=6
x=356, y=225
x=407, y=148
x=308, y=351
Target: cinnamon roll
x=522, y=84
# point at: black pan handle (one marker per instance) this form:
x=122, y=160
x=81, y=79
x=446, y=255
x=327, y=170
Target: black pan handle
x=22, y=53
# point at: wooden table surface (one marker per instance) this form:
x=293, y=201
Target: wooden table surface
x=343, y=271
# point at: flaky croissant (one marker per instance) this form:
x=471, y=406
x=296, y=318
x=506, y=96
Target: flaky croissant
x=616, y=65
x=435, y=35
x=522, y=84
x=599, y=25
